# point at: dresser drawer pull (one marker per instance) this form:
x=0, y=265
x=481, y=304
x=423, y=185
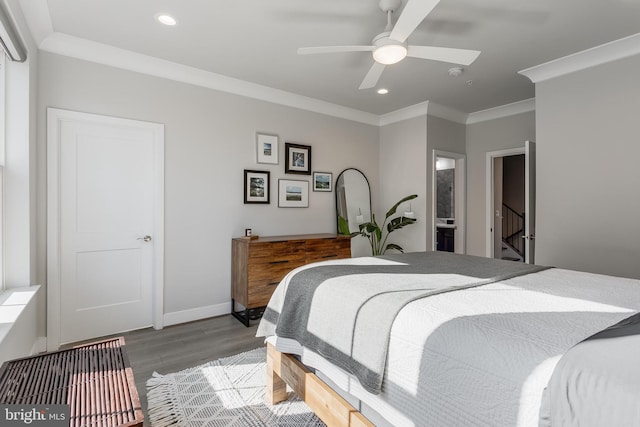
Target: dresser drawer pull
x=273, y=284
x=330, y=256
x=284, y=261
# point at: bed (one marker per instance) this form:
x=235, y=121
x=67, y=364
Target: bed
x=442, y=339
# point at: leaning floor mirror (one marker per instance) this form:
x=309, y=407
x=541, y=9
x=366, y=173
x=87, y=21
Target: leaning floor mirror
x=353, y=205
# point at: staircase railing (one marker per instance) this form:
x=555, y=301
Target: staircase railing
x=513, y=229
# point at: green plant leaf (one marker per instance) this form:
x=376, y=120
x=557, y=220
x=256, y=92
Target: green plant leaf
x=399, y=222
x=343, y=226
x=394, y=247
x=395, y=207
x=378, y=234
x=368, y=227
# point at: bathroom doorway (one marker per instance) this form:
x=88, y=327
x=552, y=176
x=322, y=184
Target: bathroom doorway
x=448, y=201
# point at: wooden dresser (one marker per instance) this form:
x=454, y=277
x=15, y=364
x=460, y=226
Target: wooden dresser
x=258, y=265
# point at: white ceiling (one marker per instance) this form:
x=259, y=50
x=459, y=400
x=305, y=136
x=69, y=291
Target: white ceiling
x=256, y=41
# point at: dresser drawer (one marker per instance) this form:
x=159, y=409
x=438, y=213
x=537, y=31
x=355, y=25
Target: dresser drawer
x=276, y=251
x=269, y=273
x=258, y=265
x=326, y=249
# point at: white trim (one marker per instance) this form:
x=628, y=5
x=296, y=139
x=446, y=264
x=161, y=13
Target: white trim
x=177, y=317
x=54, y=118
x=489, y=193
x=460, y=199
x=506, y=110
x=608, y=52
x=447, y=113
x=39, y=346
x=38, y=17
x=402, y=114
x=422, y=109
x=75, y=47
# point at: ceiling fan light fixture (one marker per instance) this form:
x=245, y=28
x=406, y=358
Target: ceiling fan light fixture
x=389, y=54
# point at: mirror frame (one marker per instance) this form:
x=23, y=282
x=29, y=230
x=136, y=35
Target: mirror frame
x=337, y=195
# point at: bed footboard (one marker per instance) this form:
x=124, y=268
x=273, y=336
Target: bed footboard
x=329, y=406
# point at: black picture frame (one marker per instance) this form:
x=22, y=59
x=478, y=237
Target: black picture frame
x=297, y=159
x=257, y=187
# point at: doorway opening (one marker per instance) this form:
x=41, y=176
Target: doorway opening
x=508, y=207
x=510, y=203
x=448, y=202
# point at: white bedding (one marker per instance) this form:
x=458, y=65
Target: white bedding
x=483, y=356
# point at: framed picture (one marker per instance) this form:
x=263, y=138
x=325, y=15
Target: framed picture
x=267, y=148
x=322, y=181
x=297, y=158
x=256, y=186
x=293, y=193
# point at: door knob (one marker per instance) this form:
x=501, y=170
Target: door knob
x=145, y=238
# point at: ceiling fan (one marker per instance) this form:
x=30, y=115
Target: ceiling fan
x=390, y=47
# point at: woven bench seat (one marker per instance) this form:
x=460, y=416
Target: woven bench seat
x=95, y=380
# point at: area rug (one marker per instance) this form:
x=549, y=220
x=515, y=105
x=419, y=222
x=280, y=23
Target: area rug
x=225, y=392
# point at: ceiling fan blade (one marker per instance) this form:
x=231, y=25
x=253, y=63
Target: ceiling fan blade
x=333, y=49
x=372, y=77
x=444, y=54
x=412, y=15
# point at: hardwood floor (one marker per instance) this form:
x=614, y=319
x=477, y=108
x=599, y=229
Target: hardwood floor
x=179, y=347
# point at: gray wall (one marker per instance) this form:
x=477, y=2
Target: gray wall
x=406, y=150
x=403, y=171
x=587, y=167
x=493, y=135
x=444, y=135
x=209, y=141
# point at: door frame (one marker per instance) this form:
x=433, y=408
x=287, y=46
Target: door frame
x=490, y=217
x=460, y=180
x=55, y=117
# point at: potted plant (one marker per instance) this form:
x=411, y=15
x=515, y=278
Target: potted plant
x=378, y=235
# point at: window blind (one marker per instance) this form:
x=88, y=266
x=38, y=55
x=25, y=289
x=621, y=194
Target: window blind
x=10, y=42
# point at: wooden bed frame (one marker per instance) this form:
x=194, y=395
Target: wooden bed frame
x=329, y=406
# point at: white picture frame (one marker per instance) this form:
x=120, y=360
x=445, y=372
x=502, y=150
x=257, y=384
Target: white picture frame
x=293, y=193
x=266, y=148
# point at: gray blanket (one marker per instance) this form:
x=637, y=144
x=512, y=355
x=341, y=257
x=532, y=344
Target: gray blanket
x=597, y=382
x=345, y=312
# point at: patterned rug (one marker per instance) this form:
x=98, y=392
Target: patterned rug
x=225, y=392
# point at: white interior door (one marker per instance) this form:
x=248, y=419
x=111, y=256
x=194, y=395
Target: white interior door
x=529, y=201
x=109, y=230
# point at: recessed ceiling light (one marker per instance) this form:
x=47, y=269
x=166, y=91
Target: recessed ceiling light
x=165, y=19
x=383, y=91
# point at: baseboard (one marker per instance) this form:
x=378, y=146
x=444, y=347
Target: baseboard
x=39, y=346
x=190, y=315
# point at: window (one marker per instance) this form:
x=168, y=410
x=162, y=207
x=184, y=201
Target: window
x=3, y=104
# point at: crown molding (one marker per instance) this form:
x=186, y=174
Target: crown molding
x=75, y=47
x=36, y=13
x=38, y=19
x=502, y=111
x=447, y=113
x=422, y=109
x=406, y=113
x=608, y=52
